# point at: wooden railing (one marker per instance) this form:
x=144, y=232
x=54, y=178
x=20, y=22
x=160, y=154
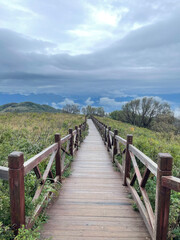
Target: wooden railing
x=66, y=146
x=156, y=223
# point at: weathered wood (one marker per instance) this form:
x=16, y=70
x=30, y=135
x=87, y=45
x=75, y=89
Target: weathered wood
x=162, y=197
x=80, y=134
x=71, y=141
x=121, y=140
x=34, y=161
x=171, y=182
x=16, y=189
x=108, y=139
x=65, y=151
x=141, y=207
x=145, y=178
x=127, y=164
x=65, y=139
x=118, y=166
x=105, y=134
x=152, y=166
x=93, y=203
x=77, y=138
x=133, y=179
x=48, y=168
x=143, y=191
x=58, y=156
x=44, y=177
x=4, y=174
x=38, y=173
x=114, y=144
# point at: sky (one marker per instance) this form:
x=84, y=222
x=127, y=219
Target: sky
x=90, y=52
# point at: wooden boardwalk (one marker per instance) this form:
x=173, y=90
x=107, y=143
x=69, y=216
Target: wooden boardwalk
x=93, y=204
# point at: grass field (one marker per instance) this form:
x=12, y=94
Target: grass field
x=29, y=133
x=151, y=143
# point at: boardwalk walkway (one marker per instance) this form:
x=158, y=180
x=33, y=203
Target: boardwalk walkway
x=93, y=204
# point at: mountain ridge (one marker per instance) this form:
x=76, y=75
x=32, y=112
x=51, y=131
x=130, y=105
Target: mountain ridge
x=27, y=107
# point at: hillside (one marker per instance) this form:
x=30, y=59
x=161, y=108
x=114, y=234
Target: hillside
x=27, y=107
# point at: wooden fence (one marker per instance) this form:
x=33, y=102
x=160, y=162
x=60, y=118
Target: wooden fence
x=66, y=146
x=157, y=224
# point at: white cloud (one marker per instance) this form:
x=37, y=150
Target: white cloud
x=89, y=101
x=54, y=105
x=177, y=112
x=110, y=102
x=63, y=103
x=66, y=101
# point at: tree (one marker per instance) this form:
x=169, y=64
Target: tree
x=117, y=115
x=100, y=111
x=142, y=112
x=89, y=110
x=71, y=108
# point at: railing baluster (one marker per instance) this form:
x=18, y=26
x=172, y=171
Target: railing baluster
x=108, y=139
x=58, y=156
x=77, y=137
x=115, y=144
x=71, y=142
x=127, y=164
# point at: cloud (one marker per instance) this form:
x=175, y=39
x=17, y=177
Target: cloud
x=177, y=112
x=110, y=102
x=66, y=101
x=63, y=103
x=134, y=49
x=89, y=101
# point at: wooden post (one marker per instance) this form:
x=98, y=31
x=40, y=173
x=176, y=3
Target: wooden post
x=77, y=137
x=108, y=139
x=16, y=188
x=80, y=134
x=115, y=144
x=162, y=197
x=58, y=156
x=85, y=121
x=71, y=141
x=127, y=163
x=105, y=137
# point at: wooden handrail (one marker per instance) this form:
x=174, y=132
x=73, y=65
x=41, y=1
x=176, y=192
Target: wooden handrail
x=157, y=224
x=171, y=182
x=152, y=166
x=4, y=173
x=38, y=158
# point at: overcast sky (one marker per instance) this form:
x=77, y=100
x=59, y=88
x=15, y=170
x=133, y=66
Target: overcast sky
x=98, y=52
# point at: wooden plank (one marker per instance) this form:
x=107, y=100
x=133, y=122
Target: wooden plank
x=171, y=182
x=152, y=166
x=34, y=161
x=4, y=173
x=92, y=203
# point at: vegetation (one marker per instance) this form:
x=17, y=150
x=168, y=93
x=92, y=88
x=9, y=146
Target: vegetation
x=71, y=108
x=29, y=133
x=152, y=143
x=148, y=113
x=27, y=107
x=88, y=110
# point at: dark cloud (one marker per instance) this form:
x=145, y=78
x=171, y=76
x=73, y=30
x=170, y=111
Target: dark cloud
x=143, y=60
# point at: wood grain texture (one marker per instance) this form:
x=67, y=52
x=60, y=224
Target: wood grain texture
x=93, y=204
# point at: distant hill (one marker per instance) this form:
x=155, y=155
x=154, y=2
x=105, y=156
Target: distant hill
x=27, y=107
